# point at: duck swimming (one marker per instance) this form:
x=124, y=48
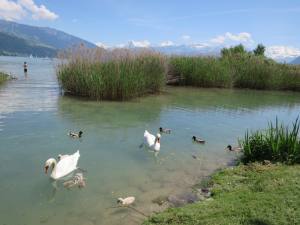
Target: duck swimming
x=233, y=149
x=75, y=135
x=198, y=140
x=164, y=130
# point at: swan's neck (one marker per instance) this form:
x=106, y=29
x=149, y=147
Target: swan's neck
x=53, y=165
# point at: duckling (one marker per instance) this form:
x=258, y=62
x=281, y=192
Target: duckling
x=77, y=180
x=233, y=149
x=198, y=140
x=165, y=130
x=75, y=135
x=126, y=201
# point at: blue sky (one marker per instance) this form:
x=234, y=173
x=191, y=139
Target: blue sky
x=112, y=22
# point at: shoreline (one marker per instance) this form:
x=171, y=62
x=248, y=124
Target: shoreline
x=240, y=195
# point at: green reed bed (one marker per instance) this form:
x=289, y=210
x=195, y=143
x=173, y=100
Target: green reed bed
x=278, y=143
x=111, y=75
x=239, y=70
x=3, y=77
x=200, y=71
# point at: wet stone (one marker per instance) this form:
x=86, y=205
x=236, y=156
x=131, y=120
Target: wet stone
x=160, y=200
x=182, y=199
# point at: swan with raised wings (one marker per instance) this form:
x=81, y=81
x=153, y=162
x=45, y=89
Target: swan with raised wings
x=65, y=165
x=151, y=141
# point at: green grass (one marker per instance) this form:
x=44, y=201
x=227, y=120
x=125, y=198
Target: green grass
x=278, y=143
x=235, y=70
x=248, y=195
x=117, y=75
x=3, y=77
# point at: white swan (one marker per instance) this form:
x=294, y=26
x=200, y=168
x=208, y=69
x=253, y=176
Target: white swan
x=151, y=141
x=65, y=165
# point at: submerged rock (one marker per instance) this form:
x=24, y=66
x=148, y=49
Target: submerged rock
x=203, y=193
x=182, y=199
x=160, y=200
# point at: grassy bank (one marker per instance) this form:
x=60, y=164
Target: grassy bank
x=111, y=75
x=3, y=77
x=253, y=194
x=236, y=68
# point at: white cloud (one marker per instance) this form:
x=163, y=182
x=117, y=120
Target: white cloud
x=242, y=37
x=166, y=43
x=38, y=12
x=10, y=10
x=102, y=45
x=280, y=51
x=200, y=45
x=139, y=44
x=186, y=37
x=218, y=40
x=17, y=10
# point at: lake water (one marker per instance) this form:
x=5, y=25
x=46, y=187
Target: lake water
x=35, y=119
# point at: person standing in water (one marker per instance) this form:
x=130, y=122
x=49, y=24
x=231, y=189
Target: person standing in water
x=25, y=67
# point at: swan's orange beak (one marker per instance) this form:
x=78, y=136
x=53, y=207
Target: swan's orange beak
x=46, y=169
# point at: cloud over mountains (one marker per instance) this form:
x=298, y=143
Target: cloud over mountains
x=211, y=46
x=17, y=10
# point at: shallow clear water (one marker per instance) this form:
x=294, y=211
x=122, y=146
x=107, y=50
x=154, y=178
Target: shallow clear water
x=35, y=118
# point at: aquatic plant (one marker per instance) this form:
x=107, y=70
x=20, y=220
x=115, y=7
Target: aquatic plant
x=200, y=71
x=235, y=68
x=118, y=74
x=278, y=143
x=3, y=77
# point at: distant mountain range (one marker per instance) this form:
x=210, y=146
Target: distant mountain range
x=20, y=39
x=184, y=49
x=296, y=61
x=24, y=40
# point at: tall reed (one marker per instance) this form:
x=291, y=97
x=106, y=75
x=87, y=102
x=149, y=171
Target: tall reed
x=111, y=75
x=3, y=77
x=235, y=70
x=277, y=143
x=201, y=71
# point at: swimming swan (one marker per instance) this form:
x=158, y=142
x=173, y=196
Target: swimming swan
x=65, y=165
x=151, y=141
